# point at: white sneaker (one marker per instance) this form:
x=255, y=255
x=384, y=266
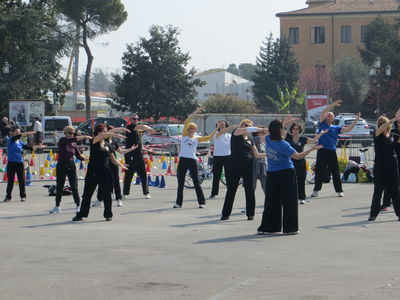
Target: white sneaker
x=78, y=208
x=202, y=206
x=119, y=203
x=302, y=202
x=314, y=194
x=341, y=194
x=125, y=196
x=177, y=206
x=97, y=203
x=55, y=209
x=147, y=196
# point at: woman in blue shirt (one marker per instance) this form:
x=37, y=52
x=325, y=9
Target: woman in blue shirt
x=281, y=188
x=15, y=149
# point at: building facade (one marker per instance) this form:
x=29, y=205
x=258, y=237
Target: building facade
x=328, y=30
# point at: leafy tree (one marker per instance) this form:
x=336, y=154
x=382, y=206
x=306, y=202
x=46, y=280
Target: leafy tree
x=155, y=81
x=94, y=17
x=289, y=101
x=229, y=105
x=32, y=42
x=247, y=71
x=232, y=68
x=317, y=80
x=353, y=82
x=99, y=82
x=276, y=66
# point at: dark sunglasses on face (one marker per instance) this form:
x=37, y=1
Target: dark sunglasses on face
x=246, y=125
x=134, y=118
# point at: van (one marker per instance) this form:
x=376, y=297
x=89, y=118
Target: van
x=53, y=127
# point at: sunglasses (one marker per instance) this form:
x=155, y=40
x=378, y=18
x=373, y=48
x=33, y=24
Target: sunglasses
x=134, y=118
x=246, y=125
x=70, y=133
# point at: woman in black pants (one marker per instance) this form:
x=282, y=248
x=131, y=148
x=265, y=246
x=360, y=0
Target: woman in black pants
x=67, y=148
x=297, y=142
x=222, y=153
x=241, y=166
x=99, y=173
x=386, y=176
x=188, y=161
x=15, y=149
x=281, y=192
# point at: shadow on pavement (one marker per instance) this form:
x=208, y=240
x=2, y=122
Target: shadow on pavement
x=252, y=237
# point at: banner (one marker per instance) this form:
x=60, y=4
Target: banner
x=23, y=112
x=315, y=105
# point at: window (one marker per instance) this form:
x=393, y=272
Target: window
x=318, y=35
x=294, y=35
x=346, y=34
x=363, y=32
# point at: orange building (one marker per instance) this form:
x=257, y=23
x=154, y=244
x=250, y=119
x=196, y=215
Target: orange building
x=328, y=30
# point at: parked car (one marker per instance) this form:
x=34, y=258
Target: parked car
x=53, y=127
x=86, y=127
x=170, y=134
x=359, y=132
x=310, y=127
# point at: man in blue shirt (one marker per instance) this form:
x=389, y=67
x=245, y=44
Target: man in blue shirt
x=326, y=157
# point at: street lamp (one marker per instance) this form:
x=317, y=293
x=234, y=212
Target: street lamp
x=247, y=94
x=6, y=68
x=376, y=70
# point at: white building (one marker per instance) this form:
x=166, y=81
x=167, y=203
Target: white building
x=224, y=83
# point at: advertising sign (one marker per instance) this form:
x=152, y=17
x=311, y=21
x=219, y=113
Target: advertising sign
x=315, y=105
x=23, y=112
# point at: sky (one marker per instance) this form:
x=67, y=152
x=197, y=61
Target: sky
x=215, y=33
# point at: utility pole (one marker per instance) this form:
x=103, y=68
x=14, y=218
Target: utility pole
x=75, y=72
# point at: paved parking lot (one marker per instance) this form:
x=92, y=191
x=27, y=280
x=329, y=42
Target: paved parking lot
x=152, y=251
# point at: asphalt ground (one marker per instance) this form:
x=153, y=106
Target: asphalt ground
x=152, y=251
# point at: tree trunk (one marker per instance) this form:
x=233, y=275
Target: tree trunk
x=87, y=73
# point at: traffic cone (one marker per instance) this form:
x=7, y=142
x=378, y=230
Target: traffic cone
x=199, y=159
x=5, y=177
x=33, y=154
x=41, y=172
x=48, y=157
x=151, y=158
x=162, y=183
x=47, y=163
x=54, y=172
x=157, y=182
x=169, y=171
x=28, y=178
x=138, y=181
x=149, y=182
x=148, y=167
x=55, y=156
x=32, y=163
x=145, y=157
x=81, y=166
x=164, y=165
x=162, y=158
x=5, y=160
x=176, y=159
x=51, y=152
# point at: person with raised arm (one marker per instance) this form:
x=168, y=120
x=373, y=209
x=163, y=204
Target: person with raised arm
x=327, y=157
x=297, y=142
x=99, y=173
x=281, y=206
x=241, y=166
x=135, y=158
x=188, y=161
x=65, y=167
x=222, y=154
x=386, y=175
x=15, y=149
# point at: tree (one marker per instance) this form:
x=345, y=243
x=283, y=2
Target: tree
x=232, y=68
x=229, y=105
x=317, y=80
x=353, y=82
x=32, y=42
x=276, y=66
x=289, y=101
x=155, y=81
x=247, y=71
x=94, y=17
x=99, y=82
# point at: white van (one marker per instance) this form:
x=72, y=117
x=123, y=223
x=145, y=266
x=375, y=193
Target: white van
x=53, y=128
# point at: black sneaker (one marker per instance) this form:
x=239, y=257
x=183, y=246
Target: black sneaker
x=7, y=199
x=250, y=218
x=76, y=219
x=370, y=219
x=108, y=219
x=223, y=218
x=212, y=196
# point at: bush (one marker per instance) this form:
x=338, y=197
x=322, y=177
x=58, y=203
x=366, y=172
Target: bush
x=229, y=104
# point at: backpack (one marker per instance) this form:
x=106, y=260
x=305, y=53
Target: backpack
x=52, y=189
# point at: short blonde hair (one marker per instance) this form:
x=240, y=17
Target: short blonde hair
x=68, y=129
x=382, y=120
x=246, y=121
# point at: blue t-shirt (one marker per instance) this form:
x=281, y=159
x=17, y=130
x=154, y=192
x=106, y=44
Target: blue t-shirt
x=278, y=155
x=329, y=139
x=14, y=150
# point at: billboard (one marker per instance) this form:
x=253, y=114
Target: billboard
x=315, y=105
x=23, y=112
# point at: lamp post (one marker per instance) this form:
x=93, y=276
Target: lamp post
x=6, y=68
x=247, y=94
x=379, y=72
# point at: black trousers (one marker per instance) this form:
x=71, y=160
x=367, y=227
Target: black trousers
x=116, y=188
x=12, y=168
x=66, y=169
x=102, y=178
x=280, y=202
x=135, y=164
x=184, y=165
x=385, y=179
x=242, y=169
x=327, y=158
x=301, y=173
x=219, y=163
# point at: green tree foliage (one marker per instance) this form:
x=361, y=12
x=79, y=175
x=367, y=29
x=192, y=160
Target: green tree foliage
x=233, y=69
x=94, y=17
x=99, y=82
x=289, y=100
x=276, y=66
x=32, y=42
x=353, y=82
x=155, y=81
x=229, y=105
x=247, y=71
